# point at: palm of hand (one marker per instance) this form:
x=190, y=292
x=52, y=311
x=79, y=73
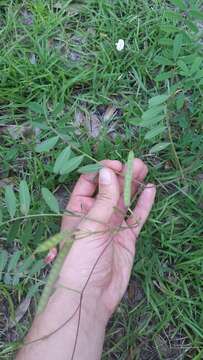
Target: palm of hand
x=102, y=258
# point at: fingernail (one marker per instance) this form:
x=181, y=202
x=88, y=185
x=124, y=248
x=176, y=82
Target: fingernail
x=105, y=176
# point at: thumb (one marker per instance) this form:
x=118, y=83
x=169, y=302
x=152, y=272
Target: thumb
x=106, y=200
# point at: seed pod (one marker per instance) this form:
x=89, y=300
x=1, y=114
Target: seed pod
x=53, y=241
x=54, y=273
x=128, y=179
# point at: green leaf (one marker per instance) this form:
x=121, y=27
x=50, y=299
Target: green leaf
x=50, y=200
x=12, y=264
x=172, y=15
x=72, y=164
x=164, y=76
x=62, y=160
x=8, y=279
x=153, y=112
x=197, y=14
x=183, y=67
x=35, y=107
x=3, y=261
x=151, y=121
x=154, y=132
x=16, y=279
x=90, y=168
x=38, y=266
x=10, y=200
x=158, y=100
x=179, y=3
x=128, y=179
x=195, y=65
x=161, y=60
x=193, y=27
x=177, y=44
x=46, y=145
x=1, y=216
x=34, y=289
x=58, y=108
x=24, y=197
x=158, y=147
x=25, y=265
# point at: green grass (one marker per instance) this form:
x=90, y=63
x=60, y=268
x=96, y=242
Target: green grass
x=36, y=65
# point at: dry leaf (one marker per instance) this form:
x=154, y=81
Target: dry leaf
x=74, y=56
x=18, y=131
x=32, y=59
x=94, y=125
x=6, y=181
x=110, y=111
x=79, y=118
x=28, y=17
x=20, y=311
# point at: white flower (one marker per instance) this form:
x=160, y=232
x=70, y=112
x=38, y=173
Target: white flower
x=120, y=45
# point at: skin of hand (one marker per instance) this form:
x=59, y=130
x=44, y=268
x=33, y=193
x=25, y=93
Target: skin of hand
x=97, y=269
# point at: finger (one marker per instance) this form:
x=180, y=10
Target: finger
x=81, y=199
x=87, y=184
x=140, y=171
x=106, y=200
x=142, y=209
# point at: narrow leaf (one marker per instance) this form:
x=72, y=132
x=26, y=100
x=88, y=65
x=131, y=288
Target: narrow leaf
x=50, y=200
x=1, y=216
x=153, y=112
x=35, y=107
x=61, y=160
x=161, y=60
x=10, y=200
x=25, y=265
x=179, y=3
x=72, y=164
x=38, y=266
x=197, y=14
x=128, y=179
x=152, y=121
x=3, y=261
x=154, y=132
x=158, y=100
x=33, y=290
x=164, y=76
x=13, y=261
x=90, y=168
x=24, y=197
x=158, y=147
x=177, y=44
x=46, y=145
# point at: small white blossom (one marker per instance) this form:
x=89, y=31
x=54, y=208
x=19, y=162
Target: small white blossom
x=120, y=45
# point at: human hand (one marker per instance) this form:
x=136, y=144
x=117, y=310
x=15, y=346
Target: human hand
x=97, y=267
x=101, y=258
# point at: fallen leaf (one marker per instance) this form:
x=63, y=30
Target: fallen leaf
x=110, y=111
x=32, y=59
x=20, y=312
x=200, y=177
x=18, y=131
x=93, y=125
x=79, y=118
x=28, y=17
x=6, y=181
x=74, y=56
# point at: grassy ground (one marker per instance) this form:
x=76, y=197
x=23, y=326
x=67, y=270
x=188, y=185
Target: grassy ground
x=63, y=53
